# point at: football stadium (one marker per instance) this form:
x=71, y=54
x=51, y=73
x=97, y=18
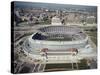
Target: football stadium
x=59, y=44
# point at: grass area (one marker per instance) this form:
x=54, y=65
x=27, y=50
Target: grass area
x=58, y=67
x=27, y=34
x=62, y=65
x=45, y=22
x=93, y=36
x=66, y=66
x=83, y=64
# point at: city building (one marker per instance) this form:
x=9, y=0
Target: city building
x=56, y=21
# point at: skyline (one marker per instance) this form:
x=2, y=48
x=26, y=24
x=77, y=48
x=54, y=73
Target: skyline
x=54, y=6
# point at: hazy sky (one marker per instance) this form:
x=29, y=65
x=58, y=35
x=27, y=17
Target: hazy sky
x=54, y=6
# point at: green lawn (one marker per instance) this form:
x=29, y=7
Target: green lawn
x=93, y=36
x=66, y=66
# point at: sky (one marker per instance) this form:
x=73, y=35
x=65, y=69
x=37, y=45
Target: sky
x=20, y=4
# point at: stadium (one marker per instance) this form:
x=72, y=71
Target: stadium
x=59, y=44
